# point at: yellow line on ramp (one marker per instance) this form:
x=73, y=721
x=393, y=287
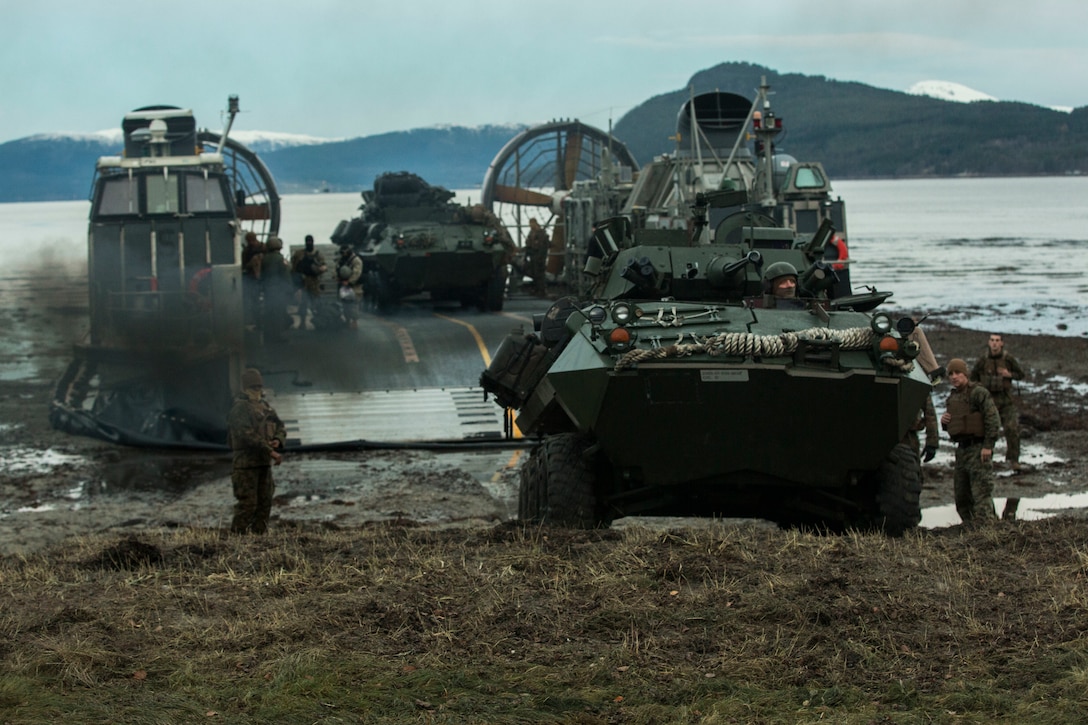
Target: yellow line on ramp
x=516, y=432
x=475, y=334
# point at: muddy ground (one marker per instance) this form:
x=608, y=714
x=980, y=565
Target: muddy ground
x=54, y=485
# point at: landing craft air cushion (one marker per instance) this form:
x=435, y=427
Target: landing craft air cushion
x=165, y=289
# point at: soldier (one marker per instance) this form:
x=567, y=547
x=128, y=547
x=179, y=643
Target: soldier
x=257, y=437
x=537, y=246
x=309, y=265
x=996, y=370
x=927, y=421
x=276, y=283
x=972, y=421
x=252, y=254
x=780, y=285
x=349, y=270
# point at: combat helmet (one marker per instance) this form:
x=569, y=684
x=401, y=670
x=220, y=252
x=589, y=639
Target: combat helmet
x=776, y=270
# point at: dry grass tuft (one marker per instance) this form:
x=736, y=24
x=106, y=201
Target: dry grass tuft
x=390, y=623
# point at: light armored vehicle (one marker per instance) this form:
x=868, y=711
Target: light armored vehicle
x=681, y=387
x=413, y=239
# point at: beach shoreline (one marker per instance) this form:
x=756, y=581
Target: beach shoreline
x=56, y=485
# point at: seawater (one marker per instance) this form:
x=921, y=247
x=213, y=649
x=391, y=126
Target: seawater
x=1005, y=254
x=1001, y=254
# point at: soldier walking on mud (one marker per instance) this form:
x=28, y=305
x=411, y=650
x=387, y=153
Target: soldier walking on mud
x=972, y=421
x=257, y=437
x=995, y=371
x=537, y=245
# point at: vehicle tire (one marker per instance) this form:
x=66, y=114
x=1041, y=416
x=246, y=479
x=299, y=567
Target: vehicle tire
x=385, y=299
x=896, y=489
x=558, y=485
x=494, y=292
x=531, y=499
x=370, y=291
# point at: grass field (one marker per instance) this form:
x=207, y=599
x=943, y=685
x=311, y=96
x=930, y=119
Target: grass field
x=395, y=624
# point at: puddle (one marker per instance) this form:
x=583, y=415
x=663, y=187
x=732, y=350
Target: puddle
x=1029, y=509
x=1031, y=454
x=34, y=461
x=162, y=474
x=1037, y=457
x=1070, y=388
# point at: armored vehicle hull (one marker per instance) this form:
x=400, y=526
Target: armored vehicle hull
x=414, y=240
x=682, y=389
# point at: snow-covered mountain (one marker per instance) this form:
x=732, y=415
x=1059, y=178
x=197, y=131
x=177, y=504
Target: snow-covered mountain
x=257, y=141
x=948, y=91
x=261, y=141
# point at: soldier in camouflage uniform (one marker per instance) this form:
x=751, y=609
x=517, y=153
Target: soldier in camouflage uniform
x=972, y=421
x=256, y=435
x=276, y=283
x=252, y=256
x=537, y=246
x=927, y=421
x=995, y=371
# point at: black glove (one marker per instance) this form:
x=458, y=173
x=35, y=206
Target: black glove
x=928, y=453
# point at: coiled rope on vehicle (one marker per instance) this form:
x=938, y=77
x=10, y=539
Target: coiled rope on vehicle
x=747, y=344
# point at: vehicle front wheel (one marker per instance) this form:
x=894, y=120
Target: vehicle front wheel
x=895, y=489
x=558, y=485
x=385, y=293
x=493, y=293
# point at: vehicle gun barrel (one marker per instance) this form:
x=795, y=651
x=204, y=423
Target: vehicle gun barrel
x=721, y=273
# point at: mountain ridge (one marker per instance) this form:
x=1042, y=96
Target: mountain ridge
x=855, y=130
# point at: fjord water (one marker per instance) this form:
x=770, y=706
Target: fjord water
x=1002, y=254
x=1007, y=254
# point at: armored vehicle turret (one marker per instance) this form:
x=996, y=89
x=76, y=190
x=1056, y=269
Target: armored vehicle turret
x=692, y=383
x=413, y=239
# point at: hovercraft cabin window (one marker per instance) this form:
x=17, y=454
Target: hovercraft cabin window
x=162, y=195
x=118, y=197
x=809, y=178
x=204, y=194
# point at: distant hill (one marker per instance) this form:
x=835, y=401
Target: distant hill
x=61, y=167
x=454, y=157
x=856, y=130
x=49, y=168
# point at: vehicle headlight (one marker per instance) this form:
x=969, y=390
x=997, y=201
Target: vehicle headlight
x=622, y=313
x=881, y=323
x=597, y=314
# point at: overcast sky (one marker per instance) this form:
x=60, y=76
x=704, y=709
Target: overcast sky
x=347, y=68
